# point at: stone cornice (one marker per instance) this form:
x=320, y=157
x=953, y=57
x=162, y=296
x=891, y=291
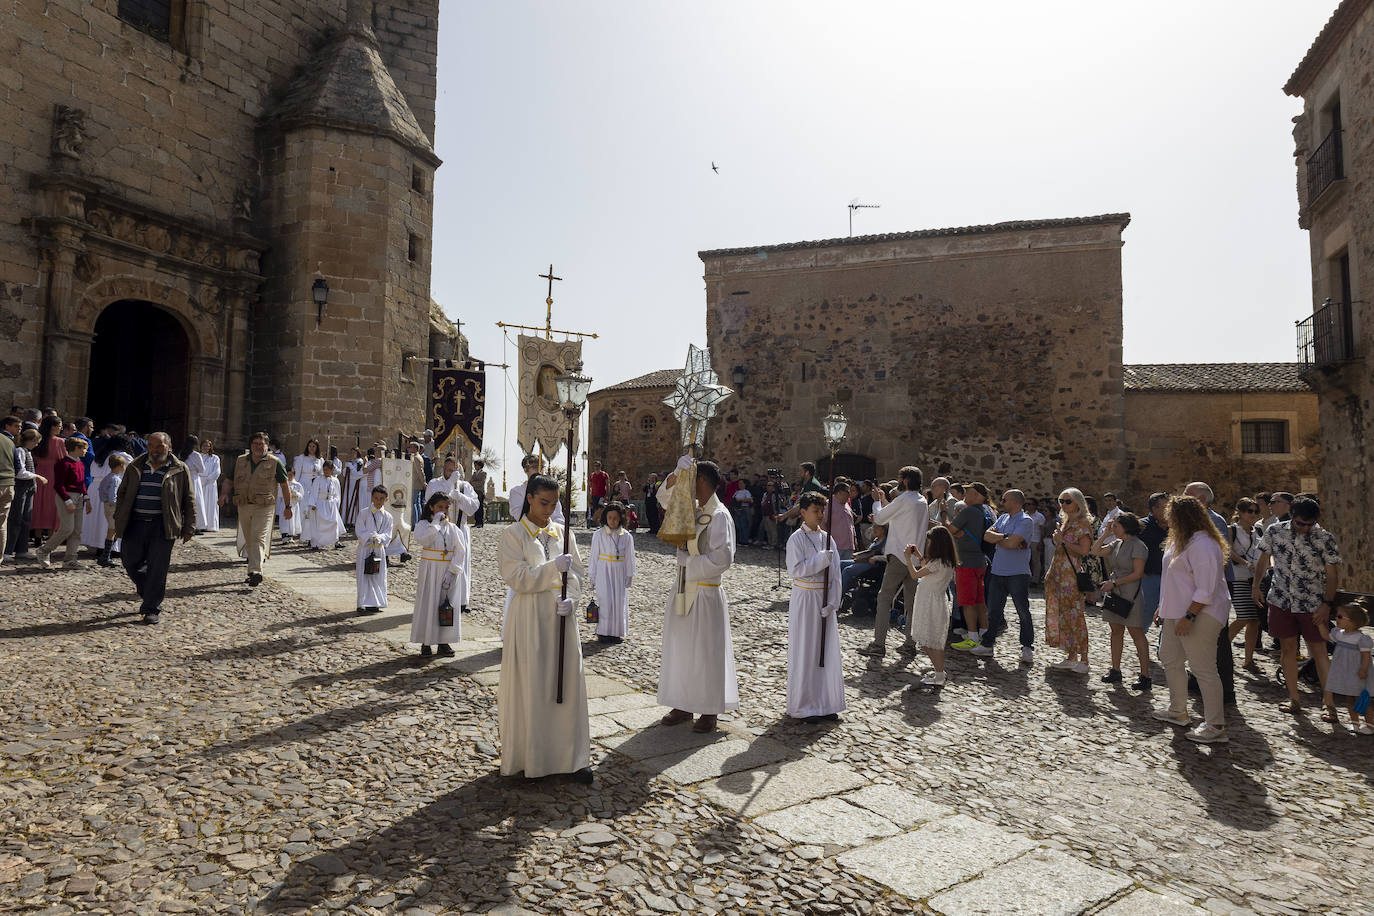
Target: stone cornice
x=1325, y=44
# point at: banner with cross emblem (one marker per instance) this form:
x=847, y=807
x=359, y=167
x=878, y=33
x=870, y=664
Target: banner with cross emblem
x=457, y=406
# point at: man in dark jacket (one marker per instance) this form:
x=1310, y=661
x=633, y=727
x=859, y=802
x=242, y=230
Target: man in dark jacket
x=156, y=503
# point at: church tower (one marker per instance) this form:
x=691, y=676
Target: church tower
x=348, y=173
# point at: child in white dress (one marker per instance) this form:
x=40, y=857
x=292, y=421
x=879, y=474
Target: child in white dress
x=930, y=609
x=1349, y=675
x=291, y=527
x=611, y=567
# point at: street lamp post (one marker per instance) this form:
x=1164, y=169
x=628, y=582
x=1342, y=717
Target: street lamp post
x=573, y=388
x=833, y=427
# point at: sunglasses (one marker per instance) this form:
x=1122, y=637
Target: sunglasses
x=1066, y=502
x=1301, y=524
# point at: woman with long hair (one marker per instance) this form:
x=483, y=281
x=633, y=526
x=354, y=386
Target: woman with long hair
x=1126, y=553
x=1194, y=605
x=1066, y=624
x=309, y=464
x=539, y=735
x=51, y=449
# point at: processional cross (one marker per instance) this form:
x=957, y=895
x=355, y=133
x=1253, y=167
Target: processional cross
x=696, y=397
x=548, y=315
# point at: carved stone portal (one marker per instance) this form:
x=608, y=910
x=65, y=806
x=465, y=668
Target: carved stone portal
x=68, y=133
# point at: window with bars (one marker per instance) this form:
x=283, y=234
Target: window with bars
x=647, y=424
x=165, y=20
x=1264, y=437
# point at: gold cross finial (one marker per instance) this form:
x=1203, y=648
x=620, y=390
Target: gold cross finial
x=548, y=314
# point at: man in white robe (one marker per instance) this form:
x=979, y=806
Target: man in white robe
x=814, y=692
x=373, y=526
x=698, y=668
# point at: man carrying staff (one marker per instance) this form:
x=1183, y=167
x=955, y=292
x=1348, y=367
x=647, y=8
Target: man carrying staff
x=257, y=478
x=698, y=668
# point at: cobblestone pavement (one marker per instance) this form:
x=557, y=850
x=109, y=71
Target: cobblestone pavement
x=261, y=751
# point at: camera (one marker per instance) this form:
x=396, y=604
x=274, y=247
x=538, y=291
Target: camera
x=773, y=472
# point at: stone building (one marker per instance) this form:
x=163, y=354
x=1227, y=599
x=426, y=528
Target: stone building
x=184, y=180
x=1242, y=427
x=1334, y=153
x=995, y=350
x=631, y=429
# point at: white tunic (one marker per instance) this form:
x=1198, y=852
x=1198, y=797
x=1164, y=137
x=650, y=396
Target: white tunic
x=698, y=668
x=812, y=690
x=610, y=567
x=441, y=562
x=307, y=469
x=292, y=526
x=516, y=495
x=462, y=504
x=538, y=735
x=325, y=525
x=373, y=528
x=207, y=493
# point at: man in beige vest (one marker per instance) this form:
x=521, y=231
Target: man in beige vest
x=254, y=484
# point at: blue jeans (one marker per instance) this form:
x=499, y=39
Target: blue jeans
x=742, y=521
x=850, y=572
x=1149, y=588
x=998, y=589
x=417, y=505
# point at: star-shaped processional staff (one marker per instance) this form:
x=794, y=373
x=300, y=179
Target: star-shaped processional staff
x=696, y=396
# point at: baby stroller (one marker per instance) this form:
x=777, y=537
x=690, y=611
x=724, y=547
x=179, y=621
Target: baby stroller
x=862, y=597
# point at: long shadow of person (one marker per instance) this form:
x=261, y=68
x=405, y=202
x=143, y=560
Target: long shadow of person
x=1073, y=693
x=1230, y=794
x=70, y=627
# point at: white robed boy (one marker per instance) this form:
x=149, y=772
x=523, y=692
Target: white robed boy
x=611, y=568
x=697, y=673
x=814, y=692
x=540, y=736
x=374, y=526
x=325, y=525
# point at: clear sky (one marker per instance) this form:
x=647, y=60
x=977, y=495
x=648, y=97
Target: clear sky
x=583, y=133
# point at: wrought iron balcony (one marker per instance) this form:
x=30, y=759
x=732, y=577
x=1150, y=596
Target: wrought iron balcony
x=1325, y=166
x=1327, y=336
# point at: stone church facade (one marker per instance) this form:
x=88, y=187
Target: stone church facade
x=989, y=352
x=178, y=177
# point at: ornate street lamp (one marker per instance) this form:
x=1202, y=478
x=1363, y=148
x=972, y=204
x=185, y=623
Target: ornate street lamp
x=573, y=388
x=833, y=427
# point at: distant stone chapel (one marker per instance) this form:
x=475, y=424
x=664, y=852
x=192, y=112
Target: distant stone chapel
x=217, y=216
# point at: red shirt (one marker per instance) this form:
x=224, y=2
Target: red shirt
x=69, y=478
x=598, y=482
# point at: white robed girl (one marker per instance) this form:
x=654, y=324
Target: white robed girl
x=374, y=527
x=195, y=466
x=291, y=527
x=814, y=692
x=441, y=565
x=539, y=735
x=611, y=569
x=325, y=525
x=206, y=482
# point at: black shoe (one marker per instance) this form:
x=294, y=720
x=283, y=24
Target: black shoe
x=1143, y=683
x=338, y=547
x=151, y=619
x=831, y=717
x=1112, y=676
x=362, y=611
x=446, y=650
x=405, y=558
x=426, y=651
x=372, y=609
x=254, y=579
x=464, y=609
x=584, y=776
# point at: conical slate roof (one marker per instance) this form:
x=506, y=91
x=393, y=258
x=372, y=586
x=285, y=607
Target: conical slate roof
x=347, y=85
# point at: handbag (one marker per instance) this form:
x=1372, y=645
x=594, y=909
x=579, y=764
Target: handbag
x=1117, y=605
x=1085, y=578
x=593, y=612
x=372, y=565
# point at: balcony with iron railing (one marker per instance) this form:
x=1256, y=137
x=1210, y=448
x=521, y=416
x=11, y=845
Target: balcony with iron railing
x=1325, y=166
x=1327, y=336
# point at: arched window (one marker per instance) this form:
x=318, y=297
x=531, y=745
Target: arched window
x=647, y=424
x=165, y=20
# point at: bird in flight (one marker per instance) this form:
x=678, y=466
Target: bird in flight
x=715, y=168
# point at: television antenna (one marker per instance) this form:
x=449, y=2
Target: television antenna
x=855, y=205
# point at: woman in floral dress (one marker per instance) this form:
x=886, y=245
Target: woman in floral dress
x=1066, y=626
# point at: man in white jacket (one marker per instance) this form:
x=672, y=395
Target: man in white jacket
x=907, y=521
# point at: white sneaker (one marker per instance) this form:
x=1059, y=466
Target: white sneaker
x=1063, y=663
x=1173, y=718
x=961, y=633
x=44, y=561
x=984, y=651
x=1206, y=733
x=1080, y=667
x=1027, y=655
x=934, y=679
x=1365, y=729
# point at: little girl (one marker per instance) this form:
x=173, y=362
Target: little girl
x=441, y=563
x=291, y=527
x=612, y=568
x=930, y=610
x=1349, y=673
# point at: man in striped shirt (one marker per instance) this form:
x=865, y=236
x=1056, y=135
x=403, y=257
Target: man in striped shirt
x=156, y=503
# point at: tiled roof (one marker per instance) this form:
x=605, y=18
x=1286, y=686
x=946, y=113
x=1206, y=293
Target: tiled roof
x=1120, y=219
x=1214, y=377
x=1327, y=41
x=659, y=378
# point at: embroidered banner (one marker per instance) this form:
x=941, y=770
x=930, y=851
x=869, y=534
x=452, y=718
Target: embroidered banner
x=457, y=407
x=541, y=418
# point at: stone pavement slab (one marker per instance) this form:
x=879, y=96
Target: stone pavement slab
x=599, y=686
x=828, y=822
x=619, y=703
x=936, y=856
x=1147, y=903
x=640, y=717
x=718, y=759
x=660, y=740
x=755, y=792
x=1044, y=882
x=897, y=805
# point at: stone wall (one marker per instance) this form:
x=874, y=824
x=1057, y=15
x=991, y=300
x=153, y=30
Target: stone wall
x=991, y=353
x=1173, y=438
x=408, y=32
x=1341, y=222
x=633, y=431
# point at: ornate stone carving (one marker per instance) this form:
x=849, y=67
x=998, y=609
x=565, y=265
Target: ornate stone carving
x=87, y=267
x=68, y=133
x=1301, y=135
x=99, y=220
x=246, y=259
x=243, y=203
x=157, y=239
x=124, y=227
